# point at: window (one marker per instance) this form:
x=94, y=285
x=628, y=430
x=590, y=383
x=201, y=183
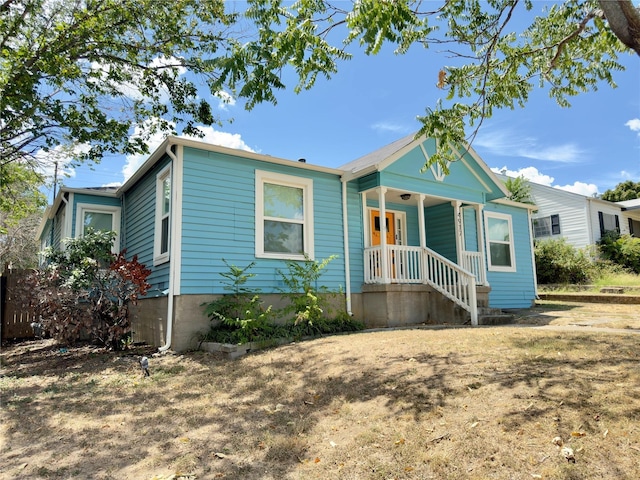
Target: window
x=546, y=226
x=634, y=227
x=499, y=235
x=284, y=216
x=97, y=217
x=162, y=235
x=608, y=223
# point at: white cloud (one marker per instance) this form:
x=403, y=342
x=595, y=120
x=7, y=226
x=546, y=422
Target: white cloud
x=57, y=161
x=586, y=189
x=634, y=125
x=533, y=175
x=390, y=127
x=530, y=173
x=224, y=139
x=226, y=100
x=508, y=144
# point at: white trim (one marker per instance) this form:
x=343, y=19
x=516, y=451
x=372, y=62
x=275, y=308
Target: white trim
x=158, y=256
x=508, y=218
x=398, y=215
x=306, y=185
x=82, y=208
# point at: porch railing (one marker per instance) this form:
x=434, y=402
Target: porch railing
x=417, y=265
x=473, y=262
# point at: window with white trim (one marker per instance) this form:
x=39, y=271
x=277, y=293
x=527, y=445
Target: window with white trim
x=546, y=226
x=284, y=216
x=499, y=235
x=162, y=234
x=97, y=217
x=608, y=223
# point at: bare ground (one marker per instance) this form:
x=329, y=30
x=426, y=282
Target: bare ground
x=420, y=403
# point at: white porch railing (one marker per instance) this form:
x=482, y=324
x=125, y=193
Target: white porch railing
x=418, y=265
x=473, y=262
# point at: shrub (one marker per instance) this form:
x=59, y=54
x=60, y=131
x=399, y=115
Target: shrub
x=240, y=313
x=86, y=290
x=623, y=250
x=559, y=262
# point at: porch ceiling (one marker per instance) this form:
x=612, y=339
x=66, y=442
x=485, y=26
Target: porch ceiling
x=394, y=196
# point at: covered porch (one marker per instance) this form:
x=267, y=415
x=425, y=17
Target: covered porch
x=427, y=241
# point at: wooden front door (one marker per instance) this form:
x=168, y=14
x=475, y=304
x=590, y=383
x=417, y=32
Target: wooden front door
x=375, y=228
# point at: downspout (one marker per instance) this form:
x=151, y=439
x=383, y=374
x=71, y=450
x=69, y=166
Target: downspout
x=172, y=266
x=347, y=259
x=533, y=255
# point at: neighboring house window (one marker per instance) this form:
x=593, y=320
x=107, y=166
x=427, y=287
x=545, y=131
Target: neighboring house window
x=98, y=217
x=162, y=237
x=499, y=235
x=634, y=227
x=546, y=226
x=608, y=223
x=284, y=216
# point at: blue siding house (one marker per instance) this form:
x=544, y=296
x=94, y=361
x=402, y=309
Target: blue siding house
x=411, y=246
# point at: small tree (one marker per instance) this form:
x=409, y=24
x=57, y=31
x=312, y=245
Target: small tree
x=86, y=290
x=519, y=190
x=304, y=293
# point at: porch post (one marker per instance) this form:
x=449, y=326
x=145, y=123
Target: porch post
x=383, y=234
x=421, y=223
x=481, y=246
x=458, y=227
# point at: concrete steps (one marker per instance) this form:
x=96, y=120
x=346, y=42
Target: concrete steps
x=493, y=316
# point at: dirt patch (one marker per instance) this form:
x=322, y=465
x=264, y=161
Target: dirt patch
x=458, y=403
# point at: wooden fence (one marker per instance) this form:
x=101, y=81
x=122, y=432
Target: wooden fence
x=16, y=321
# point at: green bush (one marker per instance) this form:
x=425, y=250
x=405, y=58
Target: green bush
x=241, y=318
x=559, y=262
x=623, y=250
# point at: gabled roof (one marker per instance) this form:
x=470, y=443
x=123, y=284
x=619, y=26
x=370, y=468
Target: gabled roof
x=385, y=156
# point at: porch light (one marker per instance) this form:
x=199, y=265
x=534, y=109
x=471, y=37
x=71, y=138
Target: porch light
x=405, y=196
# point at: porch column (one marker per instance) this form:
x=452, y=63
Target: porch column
x=421, y=222
x=458, y=228
x=383, y=235
x=481, y=246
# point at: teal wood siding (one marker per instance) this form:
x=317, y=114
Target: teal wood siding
x=138, y=213
x=218, y=222
x=441, y=234
x=466, y=180
x=356, y=237
x=93, y=200
x=470, y=229
x=514, y=289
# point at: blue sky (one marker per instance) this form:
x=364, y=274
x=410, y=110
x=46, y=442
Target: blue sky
x=373, y=101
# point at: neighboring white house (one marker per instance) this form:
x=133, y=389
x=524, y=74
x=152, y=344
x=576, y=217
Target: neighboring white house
x=579, y=219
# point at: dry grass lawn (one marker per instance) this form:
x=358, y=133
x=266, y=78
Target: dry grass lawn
x=458, y=403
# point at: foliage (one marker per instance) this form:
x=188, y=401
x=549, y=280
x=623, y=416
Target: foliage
x=20, y=197
x=85, y=290
x=623, y=191
x=19, y=246
x=623, y=250
x=559, y=262
x=567, y=49
x=241, y=318
x=519, y=189
x=306, y=298
x=240, y=314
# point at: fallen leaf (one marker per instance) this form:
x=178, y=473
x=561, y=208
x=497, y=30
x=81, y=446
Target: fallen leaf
x=317, y=460
x=578, y=434
x=408, y=469
x=184, y=439
x=261, y=445
x=474, y=425
x=219, y=455
x=400, y=442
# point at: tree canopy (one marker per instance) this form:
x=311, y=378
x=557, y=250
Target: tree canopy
x=623, y=191
x=91, y=73
x=519, y=189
